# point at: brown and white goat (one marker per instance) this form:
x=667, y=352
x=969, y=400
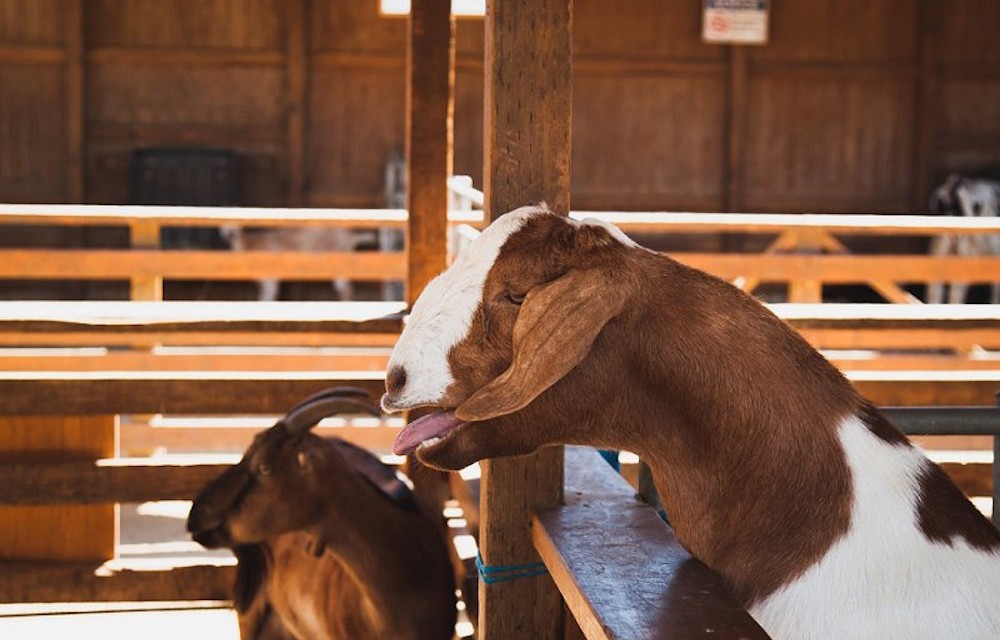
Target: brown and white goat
x=331, y=544
x=821, y=517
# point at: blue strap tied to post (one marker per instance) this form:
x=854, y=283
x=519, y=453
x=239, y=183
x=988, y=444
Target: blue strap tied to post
x=492, y=574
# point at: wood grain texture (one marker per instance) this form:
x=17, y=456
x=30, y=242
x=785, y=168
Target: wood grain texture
x=527, y=147
x=40, y=532
x=44, y=482
x=430, y=79
x=620, y=569
x=172, y=392
x=90, y=582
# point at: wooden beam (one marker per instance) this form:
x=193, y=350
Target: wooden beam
x=430, y=107
x=296, y=77
x=82, y=482
x=144, y=284
x=73, y=24
x=147, y=268
x=628, y=577
x=176, y=392
x=113, y=582
x=528, y=118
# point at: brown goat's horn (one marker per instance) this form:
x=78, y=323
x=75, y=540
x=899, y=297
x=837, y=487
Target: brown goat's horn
x=328, y=402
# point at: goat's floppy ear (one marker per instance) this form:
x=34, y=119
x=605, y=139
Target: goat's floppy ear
x=554, y=331
x=380, y=476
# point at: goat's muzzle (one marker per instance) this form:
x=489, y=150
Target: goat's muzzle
x=207, y=528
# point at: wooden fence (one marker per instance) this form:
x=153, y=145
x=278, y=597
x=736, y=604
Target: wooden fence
x=91, y=374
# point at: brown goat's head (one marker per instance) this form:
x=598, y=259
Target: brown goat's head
x=520, y=308
x=286, y=476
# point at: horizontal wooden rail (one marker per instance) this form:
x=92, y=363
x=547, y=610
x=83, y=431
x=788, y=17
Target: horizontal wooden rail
x=638, y=221
x=768, y=223
x=169, y=392
x=250, y=392
x=116, y=581
x=171, y=216
x=621, y=571
x=97, y=264
x=843, y=269
x=117, y=480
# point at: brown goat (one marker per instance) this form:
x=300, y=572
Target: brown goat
x=823, y=519
x=331, y=544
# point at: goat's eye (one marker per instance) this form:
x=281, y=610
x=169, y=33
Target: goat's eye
x=514, y=298
x=263, y=469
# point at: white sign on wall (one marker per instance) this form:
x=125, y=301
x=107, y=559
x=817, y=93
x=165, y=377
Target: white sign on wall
x=735, y=21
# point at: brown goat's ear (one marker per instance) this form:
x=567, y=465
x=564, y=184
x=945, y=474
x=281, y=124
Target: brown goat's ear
x=554, y=331
x=381, y=477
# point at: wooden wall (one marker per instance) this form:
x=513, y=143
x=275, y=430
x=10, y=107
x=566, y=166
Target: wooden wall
x=855, y=105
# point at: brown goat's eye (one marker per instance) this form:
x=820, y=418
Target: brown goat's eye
x=515, y=298
x=263, y=470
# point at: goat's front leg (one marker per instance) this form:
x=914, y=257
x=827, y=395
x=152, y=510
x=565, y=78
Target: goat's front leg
x=268, y=290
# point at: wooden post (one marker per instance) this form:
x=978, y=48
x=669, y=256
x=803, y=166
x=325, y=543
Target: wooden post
x=74, y=70
x=430, y=78
x=145, y=235
x=295, y=86
x=528, y=103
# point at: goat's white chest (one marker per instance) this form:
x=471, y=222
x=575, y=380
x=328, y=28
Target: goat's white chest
x=884, y=579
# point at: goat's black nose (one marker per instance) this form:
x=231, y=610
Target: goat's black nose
x=395, y=380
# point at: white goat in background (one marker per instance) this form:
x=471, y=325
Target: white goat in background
x=962, y=196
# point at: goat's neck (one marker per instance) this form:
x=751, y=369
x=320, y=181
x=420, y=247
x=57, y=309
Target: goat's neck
x=397, y=564
x=739, y=424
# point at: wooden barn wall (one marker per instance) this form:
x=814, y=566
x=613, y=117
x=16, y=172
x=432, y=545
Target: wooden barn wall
x=854, y=105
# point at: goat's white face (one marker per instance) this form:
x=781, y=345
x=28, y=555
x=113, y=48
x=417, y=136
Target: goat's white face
x=419, y=373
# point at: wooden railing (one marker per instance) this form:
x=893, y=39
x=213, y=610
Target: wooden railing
x=200, y=364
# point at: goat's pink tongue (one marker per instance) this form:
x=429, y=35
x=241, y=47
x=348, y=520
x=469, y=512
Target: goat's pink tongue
x=435, y=425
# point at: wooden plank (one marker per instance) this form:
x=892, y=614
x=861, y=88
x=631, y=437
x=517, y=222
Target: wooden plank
x=295, y=83
x=636, y=221
x=114, y=582
x=170, y=316
x=621, y=571
x=209, y=360
x=38, y=532
x=110, y=337
x=143, y=284
x=205, y=216
x=103, y=482
x=146, y=267
x=176, y=392
x=927, y=388
x=526, y=151
x=844, y=268
x=75, y=109
x=846, y=224
x=903, y=338
x=430, y=106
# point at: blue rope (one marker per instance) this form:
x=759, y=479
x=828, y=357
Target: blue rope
x=492, y=574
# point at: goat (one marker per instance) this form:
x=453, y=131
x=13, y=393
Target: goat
x=962, y=196
x=295, y=495
x=295, y=239
x=821, y=517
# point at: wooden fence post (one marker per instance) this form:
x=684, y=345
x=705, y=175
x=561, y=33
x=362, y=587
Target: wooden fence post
x=430, y=78
x=528, y=102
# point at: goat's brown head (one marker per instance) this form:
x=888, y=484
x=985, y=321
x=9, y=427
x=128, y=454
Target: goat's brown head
x=521, y=308
x=287, y=475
